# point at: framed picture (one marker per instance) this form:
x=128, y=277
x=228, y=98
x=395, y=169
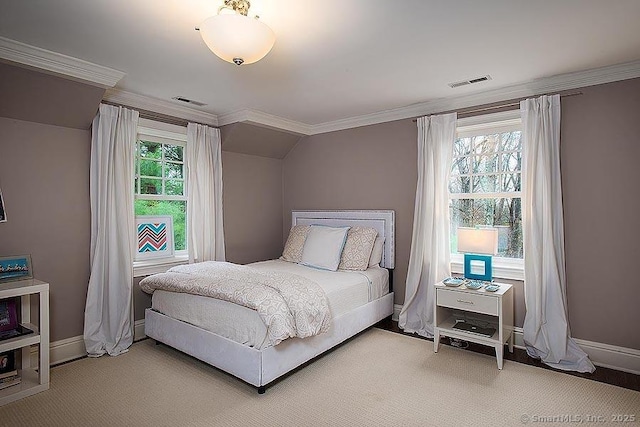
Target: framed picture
x=3, y=213
x=15, y=268
x=8, y=315
x=154, y=236
x=7, y=362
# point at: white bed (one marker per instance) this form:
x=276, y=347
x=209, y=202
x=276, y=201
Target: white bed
x=234, y=338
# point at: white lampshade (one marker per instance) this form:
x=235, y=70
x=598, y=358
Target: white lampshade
x=478, y=240
x=237, y=38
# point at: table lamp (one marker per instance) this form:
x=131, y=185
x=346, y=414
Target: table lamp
x=478, y=246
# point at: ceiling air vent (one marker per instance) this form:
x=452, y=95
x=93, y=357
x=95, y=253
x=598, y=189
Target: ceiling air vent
x=188, y=101
x=471, y=81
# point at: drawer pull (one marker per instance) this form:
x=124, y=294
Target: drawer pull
x=465, y=301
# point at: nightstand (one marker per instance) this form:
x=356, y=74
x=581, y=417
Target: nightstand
x=488, y=310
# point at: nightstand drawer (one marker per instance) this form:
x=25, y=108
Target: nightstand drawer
x=467, y=301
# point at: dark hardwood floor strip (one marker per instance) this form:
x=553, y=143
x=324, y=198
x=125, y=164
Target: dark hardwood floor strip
x=603, y=375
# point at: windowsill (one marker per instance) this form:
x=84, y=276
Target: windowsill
x=503, y=268
x=154, y=266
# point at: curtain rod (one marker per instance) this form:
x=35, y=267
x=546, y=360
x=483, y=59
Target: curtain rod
x=512, y=104
x=150, y=115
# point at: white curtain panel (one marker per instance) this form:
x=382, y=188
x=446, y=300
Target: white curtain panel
x=203, y=162
x=108, y=325
x=546, y=329
x=429, y=261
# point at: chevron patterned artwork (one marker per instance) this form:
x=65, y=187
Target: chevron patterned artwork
x=155, y=236
x=152, y=237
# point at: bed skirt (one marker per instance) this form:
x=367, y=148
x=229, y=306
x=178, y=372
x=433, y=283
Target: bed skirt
x=261, y=367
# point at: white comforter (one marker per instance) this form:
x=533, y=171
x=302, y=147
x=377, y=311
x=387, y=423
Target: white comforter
x=290, y=305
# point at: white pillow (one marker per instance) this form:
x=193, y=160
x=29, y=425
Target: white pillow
x=376, y=253
x=323, y=247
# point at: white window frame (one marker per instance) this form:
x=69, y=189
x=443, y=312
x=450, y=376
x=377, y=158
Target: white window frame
x=175, y=135
x=503, y=268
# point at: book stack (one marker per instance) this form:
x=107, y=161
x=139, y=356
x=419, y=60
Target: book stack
x=7, y=379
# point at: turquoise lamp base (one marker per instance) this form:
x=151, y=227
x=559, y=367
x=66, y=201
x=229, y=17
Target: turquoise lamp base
x=477, y=258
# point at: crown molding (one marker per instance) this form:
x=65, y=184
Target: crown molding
x=159, y=106
x=77, y=69
x=53, y=62
x=560, y=82
x=266, y=120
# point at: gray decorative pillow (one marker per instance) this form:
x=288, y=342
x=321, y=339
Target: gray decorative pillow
x=295, y=243
x=357, y=249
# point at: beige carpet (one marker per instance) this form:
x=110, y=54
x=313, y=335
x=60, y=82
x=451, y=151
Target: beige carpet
x=379, y=378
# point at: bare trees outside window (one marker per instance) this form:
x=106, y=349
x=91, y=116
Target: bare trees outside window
x=485, y=188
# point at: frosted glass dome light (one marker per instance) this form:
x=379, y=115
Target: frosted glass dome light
x=235, y=37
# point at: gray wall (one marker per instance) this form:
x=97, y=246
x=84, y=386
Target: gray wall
x=252, y=207
x=371, y=167
x=374, y=167
x=44, y=177
x=600, y=143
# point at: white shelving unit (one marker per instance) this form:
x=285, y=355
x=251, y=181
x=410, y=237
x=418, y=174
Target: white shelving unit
x=494, y=309
x=34, y=378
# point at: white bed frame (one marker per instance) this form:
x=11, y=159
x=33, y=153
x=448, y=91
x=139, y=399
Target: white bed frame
x=261, y=367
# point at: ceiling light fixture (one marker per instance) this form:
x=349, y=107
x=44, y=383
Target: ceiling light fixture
x=236, y=37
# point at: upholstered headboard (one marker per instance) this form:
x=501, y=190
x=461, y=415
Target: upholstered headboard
x=381, y=220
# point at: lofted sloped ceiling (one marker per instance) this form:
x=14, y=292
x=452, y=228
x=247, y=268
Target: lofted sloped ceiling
x=43, y=98
x=260, y=141
x=40, y=97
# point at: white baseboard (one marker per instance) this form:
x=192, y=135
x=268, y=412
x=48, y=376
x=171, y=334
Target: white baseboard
x=396, y=312
x=73, y=348
x=605, y=355
x=138, y=330
x=66, y=350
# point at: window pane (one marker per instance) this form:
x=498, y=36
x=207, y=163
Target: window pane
x=173, y=152
x=485, y=183
x=177, y=209
x=503, y=214
x=174, y=187
x=150, y=168
x=460, y=184
x=511, y=141
x=485, y=144
x=460, y=166
x=510, y=182
x=150, y=150
x=462, y=147
x=511, y=162
x=150, y=186
x=485, y=164
x=173, y=170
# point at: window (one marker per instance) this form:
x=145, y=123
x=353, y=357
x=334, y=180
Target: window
x=160, y=186
x=485, y=186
